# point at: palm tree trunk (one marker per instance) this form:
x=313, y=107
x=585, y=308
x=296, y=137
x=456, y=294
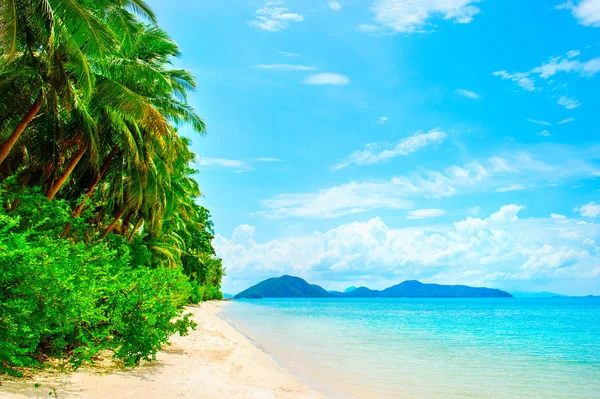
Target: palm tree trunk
x=125, y=224
x=17, y=200
x=62, y=179
x=137, y=226
x=12, y=139
x=79, y=208
x=113, y=224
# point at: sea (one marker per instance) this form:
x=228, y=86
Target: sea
x=501, y=348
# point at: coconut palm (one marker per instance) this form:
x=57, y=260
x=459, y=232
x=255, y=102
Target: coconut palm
x=93, y=88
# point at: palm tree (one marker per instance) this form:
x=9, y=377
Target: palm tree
x=52, y=41
x=94, y=85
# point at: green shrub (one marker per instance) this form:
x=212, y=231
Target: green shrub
x=202, y=293
x=72, y=299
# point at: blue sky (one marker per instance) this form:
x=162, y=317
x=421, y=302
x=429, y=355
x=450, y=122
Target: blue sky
x=368, y=142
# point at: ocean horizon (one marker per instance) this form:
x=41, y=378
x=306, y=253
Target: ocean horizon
x=431, y=348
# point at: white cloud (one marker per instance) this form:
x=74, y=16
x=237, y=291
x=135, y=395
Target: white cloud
x=520, y=170
x=544, y=133
x=558, y=216
x=501, y=248
x=474, y=211
x=368, y=28
x=468, y=94
x=568, y=103
x=288, y=54
x=548, y=257
x=377, y=152
x=513, y=187
x=590, y=210
x=506, y=213
x=273, y=18
x=410, y=16
x=327, y=79
x=549, y=69
x=425, y=213
x=235, y=164
x=335, y=5
x=567, y=65
x=538, y=122
x=243, y=234
x=284, y=67
x=266, y=159
x=522, y=79
x=587, y=12
x=337, y=201
x=381, y=120
x=568, y=120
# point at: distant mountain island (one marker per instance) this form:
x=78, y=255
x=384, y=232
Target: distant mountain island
x=284, y=287
x=295, y=287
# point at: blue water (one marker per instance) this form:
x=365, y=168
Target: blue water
x=431, y=348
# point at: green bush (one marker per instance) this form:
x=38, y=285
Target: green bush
x=72, y=299
x=202, y=293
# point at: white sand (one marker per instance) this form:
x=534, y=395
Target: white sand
x=214, y=361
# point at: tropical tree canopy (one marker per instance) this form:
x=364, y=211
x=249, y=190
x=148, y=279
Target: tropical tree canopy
x=90, y=107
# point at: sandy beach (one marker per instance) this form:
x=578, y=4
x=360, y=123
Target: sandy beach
x=214, y=361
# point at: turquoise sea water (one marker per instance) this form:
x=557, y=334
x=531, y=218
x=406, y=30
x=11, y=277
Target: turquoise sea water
x=431, y=348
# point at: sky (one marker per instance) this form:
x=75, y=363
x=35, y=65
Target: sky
x=367, y=142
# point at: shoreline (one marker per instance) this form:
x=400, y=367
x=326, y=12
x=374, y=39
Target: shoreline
x=213, y=361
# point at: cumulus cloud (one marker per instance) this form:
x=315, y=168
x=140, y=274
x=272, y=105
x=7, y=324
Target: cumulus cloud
x=410, y=16
x=335, y=79
x=272, y=17
x=469, y=94
x=587, y=12
x=590, y=210
x=377, y=152
x=335, y=5
x=478, y=251
x=544, y=133
x=284, y=67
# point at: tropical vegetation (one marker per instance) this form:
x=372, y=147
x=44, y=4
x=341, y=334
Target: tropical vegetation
x=102, y=239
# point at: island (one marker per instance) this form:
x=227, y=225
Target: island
x=296, y=287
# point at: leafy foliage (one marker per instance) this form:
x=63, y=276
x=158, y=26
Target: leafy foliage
x=102, y=241
x=60, y=297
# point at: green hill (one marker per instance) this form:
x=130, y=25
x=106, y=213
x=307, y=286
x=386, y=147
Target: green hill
x=416, y=289
x=295, y=287
x=284, y=287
